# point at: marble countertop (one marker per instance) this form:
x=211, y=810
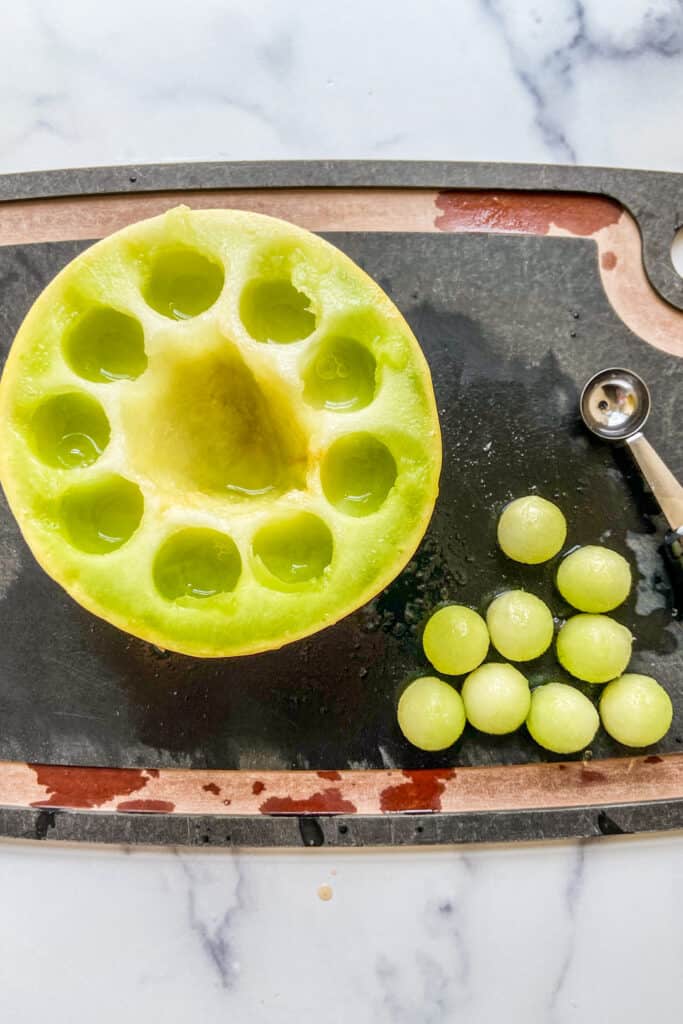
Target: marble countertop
x=540, y=934
x=536, y=933
x=145, y=80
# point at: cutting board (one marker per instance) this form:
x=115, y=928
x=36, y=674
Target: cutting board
x=520, y=283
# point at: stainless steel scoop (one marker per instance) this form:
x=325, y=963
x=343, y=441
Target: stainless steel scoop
x=615, y=405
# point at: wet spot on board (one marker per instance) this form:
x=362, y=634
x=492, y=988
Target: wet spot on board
x=327, y=801
x=258, y=787
x=422, y=792
x=387, y=760
x=608, y=260
x=86, y=787
x=608, y=826
x=45, y=820
x=526, y=213
x=211, y=787
x=651, y=586
x=653, y=759
x=311, y=832
x=330, y=776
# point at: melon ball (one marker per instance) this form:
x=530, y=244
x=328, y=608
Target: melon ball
x=496, y=698
x=431, y=714
x=561, y=718
x=594, y=648
x=455, y=640
x=594, y=579
x=636, y=710
x=520, y=624
x=531, y=530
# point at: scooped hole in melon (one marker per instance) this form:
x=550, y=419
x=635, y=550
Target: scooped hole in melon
x=197, y=562
x=105, y=345
x=357, y=474
x=276, y=311
x=295, y=548
x=101, y=515
x=182, y=283
x=69, y=430
x=340, y=375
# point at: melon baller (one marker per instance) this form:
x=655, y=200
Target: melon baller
x=615, y=404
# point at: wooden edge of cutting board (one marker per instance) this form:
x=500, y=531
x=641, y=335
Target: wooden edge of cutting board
x=607, y=222
x=183, y=791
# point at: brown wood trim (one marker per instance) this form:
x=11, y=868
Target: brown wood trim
x=389, y=209
x=89, y=217
x=495, y=788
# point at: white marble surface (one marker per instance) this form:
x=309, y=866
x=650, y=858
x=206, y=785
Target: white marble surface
x=134, y=81
x=540, y=933
x=536, y=934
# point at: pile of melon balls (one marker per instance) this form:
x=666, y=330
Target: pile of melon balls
x=496, y=697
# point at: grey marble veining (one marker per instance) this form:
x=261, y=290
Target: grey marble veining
x=544, y=933
x=570, y=53
x=215, y=925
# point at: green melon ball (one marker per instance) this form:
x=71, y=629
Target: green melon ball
x=496, y=698
x=520, y=624
x=455, y=640
x=531, y=530
x=594, y=648
x=594, y=579
x=431, y=714
x=636, y=710
x=561, y=718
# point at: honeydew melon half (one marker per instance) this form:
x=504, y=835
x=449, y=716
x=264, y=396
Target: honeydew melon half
x=218, y=433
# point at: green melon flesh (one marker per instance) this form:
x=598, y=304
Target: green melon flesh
x=218, y=433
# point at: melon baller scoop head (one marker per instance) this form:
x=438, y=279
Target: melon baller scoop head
x=615, y=405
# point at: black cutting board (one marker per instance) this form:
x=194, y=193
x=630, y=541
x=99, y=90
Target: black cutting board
x=511, y=325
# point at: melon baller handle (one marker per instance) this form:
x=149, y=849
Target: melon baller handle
x=669, y=494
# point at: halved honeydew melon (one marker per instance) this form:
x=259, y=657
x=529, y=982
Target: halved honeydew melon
x=218, y=433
